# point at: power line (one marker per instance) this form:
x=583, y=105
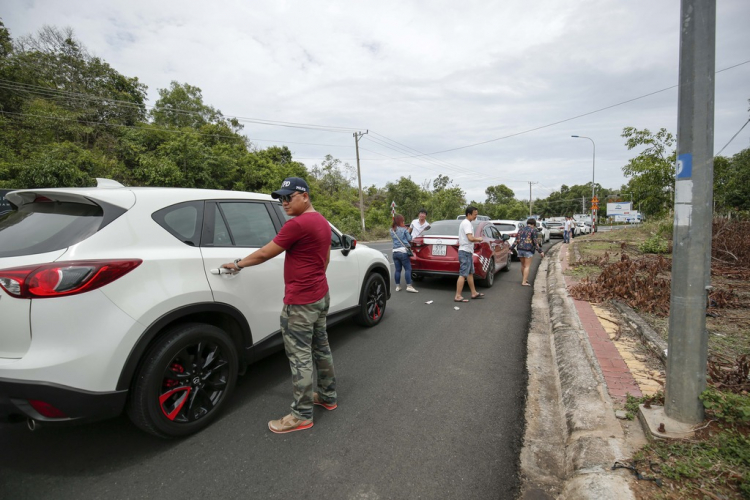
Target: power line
x=571, y=118
x=428, y=160
x=47, y=91
x=151, y=127
x=735, y=135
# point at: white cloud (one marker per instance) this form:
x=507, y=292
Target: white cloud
x=430, y=75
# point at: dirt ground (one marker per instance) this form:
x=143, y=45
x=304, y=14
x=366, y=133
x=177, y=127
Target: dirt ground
x=627, y=271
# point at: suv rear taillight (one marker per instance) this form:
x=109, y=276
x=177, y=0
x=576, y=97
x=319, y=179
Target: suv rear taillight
x=63, y=278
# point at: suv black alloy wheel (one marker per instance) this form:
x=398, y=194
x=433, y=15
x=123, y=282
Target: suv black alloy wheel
x=184, y=381
x=372, y=305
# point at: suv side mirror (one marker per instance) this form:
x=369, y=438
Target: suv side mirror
x=349, y=243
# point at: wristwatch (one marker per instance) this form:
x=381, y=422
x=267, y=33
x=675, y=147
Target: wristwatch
x=237, y=263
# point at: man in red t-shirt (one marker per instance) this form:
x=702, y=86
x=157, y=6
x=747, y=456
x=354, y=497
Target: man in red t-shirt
x=307, y=241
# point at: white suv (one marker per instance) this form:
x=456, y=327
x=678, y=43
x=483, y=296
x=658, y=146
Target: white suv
x=110, y=300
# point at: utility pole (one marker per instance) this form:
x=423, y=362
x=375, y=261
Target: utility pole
x=357, y=137
x=531, y=200
x=583, y=204
x=691, y=262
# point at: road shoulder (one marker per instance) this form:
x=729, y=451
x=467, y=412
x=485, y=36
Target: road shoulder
x=572, y=437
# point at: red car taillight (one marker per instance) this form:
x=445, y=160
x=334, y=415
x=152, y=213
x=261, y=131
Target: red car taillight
x=63, y=278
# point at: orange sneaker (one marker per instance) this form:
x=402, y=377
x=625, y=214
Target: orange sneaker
x=289, y=423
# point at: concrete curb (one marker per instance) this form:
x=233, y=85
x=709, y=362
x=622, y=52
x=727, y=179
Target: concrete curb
x=568, y=404
x=651, y=339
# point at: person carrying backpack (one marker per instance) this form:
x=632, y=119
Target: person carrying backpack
x=526, y=244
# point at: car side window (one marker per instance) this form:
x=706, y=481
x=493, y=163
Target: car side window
x=496, y=233
x=183, y=221
x=336, y=241
x=488, y=232
x=249, y=224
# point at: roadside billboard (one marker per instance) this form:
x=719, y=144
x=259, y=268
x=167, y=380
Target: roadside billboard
x=619, y=208
x=4, y=205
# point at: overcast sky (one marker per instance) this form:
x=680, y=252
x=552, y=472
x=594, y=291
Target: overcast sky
x=430, y=75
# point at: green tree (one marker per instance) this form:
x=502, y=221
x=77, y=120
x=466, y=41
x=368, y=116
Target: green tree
x=732, y=182
x=409, y=197
x=181, y=106
x=446, y=203
x=499, y=194
x=651, y=172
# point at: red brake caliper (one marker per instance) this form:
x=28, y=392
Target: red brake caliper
x=177, y=368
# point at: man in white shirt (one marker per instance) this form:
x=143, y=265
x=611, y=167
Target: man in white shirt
x=566, y=230
x=466, y=240
x=418, y=226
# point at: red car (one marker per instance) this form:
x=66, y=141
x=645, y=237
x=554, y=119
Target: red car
x=436, y=251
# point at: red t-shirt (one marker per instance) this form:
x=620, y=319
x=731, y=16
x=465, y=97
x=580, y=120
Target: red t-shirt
x=307, y=240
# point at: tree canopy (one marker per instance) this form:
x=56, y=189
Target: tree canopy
x=67, y=117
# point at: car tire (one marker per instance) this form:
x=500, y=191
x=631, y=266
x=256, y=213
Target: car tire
x=489, y=280
x=191, y=358
x=507, y=264
x=372, y=301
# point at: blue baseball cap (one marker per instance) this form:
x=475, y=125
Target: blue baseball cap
x=291, y=185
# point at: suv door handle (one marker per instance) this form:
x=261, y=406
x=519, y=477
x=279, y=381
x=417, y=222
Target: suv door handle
x=223, y=270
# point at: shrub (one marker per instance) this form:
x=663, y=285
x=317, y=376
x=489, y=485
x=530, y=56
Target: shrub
x=655, y=244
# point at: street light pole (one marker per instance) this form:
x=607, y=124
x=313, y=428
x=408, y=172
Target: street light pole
x=593, y=173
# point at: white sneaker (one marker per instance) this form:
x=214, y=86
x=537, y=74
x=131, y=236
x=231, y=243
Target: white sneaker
x=398, y=288
x=411, y=289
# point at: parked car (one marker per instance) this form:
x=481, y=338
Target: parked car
x=582, y=228
x=556, y=229
x=543, y=230
x=436, y=251
x=511, y=228
x=111, y=299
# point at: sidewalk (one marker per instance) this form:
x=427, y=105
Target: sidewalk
x=578, y=372
x=617, y=374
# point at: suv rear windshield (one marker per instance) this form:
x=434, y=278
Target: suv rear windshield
x=506, y=227
x=47, y=226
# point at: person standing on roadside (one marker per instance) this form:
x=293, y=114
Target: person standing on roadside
x=526, y=244
x=466, y=240
x=401, y=238
x=566, y=230
x=418, y=226
x=307, y=241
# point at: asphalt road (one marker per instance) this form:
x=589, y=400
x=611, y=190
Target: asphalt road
x=430, y=406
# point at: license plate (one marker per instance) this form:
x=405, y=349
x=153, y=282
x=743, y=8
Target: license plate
x=438, y=249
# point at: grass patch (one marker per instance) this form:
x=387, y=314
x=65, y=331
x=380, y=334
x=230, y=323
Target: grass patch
x=716, y=464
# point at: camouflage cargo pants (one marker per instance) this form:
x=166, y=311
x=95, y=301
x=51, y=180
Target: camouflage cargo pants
x=303, y=328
